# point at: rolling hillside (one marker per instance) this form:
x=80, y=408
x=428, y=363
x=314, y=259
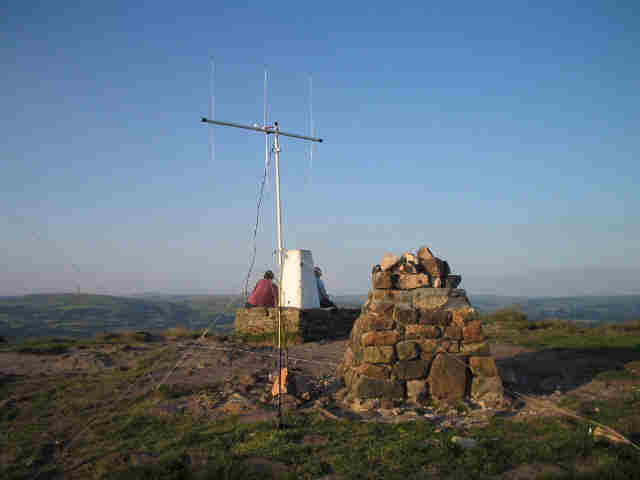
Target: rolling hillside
x=81, y=315
x=590, y=309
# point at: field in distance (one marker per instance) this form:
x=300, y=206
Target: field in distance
x=84, y=315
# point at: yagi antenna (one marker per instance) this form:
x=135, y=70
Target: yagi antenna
x=267, y=154
x=312, y=130
x=276, y=132
x=212, y=108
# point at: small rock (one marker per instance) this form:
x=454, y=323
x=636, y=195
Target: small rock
x=411, y=258
x=288, y=402
x=464, y=442
x=382, y=280
x=409, y=281
x=315, y=440
x=483, y=366
x=142, y=458
x=365, y=405
x=417, y=390
x=607, y=435
x=386, y=403
x=243, y=379
x=388, y=261
x=452, y=281
x=237, y=404
x=340, y=394
x=424, y=253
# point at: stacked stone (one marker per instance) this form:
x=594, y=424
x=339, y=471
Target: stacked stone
x=412, y=271
x=417, y=341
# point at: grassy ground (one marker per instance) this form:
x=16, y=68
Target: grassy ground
x=136, y=444
x=126, y=438
x=512, y=326
x=268, y=339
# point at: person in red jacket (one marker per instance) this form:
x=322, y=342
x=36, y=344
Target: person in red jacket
x=265, y=293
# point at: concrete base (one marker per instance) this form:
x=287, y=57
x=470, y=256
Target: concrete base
x=298, y=325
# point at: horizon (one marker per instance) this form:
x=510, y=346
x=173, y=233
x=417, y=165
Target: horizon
x=335, y=295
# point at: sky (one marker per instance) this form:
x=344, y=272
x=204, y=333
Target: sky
x=504, y=135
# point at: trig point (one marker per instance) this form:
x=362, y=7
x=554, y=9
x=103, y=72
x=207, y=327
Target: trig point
x=302, y=318
x=299, y=287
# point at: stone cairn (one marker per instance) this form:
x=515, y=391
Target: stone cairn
x=418, y=339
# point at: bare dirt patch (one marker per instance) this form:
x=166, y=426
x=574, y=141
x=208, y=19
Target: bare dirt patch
x=216, y=377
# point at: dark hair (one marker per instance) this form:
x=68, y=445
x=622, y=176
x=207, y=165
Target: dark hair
x=268, y=274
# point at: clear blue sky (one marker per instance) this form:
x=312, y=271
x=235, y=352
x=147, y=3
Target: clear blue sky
x=503, y=135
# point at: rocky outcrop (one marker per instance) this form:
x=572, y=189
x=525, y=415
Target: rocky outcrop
x=418, y=338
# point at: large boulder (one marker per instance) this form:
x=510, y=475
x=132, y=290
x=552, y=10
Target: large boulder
x=366, y=387
x=447, y=379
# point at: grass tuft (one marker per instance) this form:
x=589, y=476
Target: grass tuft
x=180, y=332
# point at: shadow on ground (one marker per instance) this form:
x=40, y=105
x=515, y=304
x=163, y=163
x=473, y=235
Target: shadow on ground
x=565, y=369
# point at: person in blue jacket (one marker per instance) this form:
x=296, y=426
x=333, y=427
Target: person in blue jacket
x=325, y=301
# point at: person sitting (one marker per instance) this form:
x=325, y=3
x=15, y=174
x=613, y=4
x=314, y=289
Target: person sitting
x=325, y=301
x=265, y=293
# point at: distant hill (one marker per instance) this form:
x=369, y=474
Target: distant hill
x=491, y=303
x=591, y=309
x=349, y=301
x=81, y=315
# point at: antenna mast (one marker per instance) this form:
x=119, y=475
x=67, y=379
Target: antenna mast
x=276, y=132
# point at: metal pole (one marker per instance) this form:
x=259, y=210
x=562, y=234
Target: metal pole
x=276, y=154
x=276, y=150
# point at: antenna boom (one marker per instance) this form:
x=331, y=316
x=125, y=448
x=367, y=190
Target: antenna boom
x=265, y=129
